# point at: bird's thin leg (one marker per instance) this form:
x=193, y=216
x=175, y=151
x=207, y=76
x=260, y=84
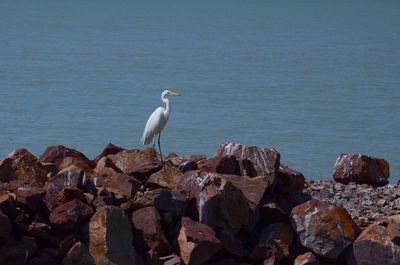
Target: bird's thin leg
x=154, y=142
x=159, y=147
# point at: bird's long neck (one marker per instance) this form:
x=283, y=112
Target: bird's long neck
x=167, y=107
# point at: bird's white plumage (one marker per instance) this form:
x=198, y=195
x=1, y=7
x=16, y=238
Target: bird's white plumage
x=154, y=125
x=157, y=120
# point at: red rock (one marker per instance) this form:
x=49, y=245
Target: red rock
x=69, y=215
x=110, y=149
x=220, y=164
x=393, y=228
x=107, y=175
x=171, y=260
x=279, y=235
x=374, y=246
x=8, y=205
x=254, y=161
x=69, y=194
x=147, y=225
x=361, y=169
x=306, y=259
x=232, y=244
x=220, y=204
x=289, y=180
x=168, y=177
x=323, y=228
x=187, y=166
x=197, y=242
x=71, y=177
x=57, y=154
x=5, y=227
x=78, y=254
x=23, y=167
x=137, y=163
x=39, y=231
x=110, y=237
x=30, y=198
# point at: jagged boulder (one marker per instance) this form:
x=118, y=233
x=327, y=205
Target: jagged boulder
x=374, y=246
x=23, y=167
x=63, y=157
x=168, y=177
x=197, y=242
x=323, y=228
x=111, y=237
x=361, y=169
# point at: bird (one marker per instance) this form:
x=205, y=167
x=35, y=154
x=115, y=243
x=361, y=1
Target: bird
x=157, y=121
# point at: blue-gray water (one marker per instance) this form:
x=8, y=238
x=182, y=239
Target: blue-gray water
x=312, y=79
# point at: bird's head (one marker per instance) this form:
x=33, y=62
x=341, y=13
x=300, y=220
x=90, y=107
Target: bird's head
x=170, y=93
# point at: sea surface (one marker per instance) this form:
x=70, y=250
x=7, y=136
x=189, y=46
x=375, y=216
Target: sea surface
x=310, y=78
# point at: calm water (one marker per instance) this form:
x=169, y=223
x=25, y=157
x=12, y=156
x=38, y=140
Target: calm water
x=312, y=79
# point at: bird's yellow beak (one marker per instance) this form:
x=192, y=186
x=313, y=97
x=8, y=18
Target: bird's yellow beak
x=174, y=94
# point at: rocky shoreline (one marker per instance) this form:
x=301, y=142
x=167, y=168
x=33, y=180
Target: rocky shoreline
x=241, y=206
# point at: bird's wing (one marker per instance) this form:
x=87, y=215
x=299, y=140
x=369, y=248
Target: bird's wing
x=154, y=125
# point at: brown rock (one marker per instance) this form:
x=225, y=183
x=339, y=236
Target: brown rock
x=137, y=163
x=232, y=244
x=5, y=227
x=44, y=259
x=57, y=154
x=254, y=161
x=280, y=235
x=393, y=228
x=110, y=149
x=168, y=177
x=78, y=255
x=220, y=164
x=8, y=205
x=374, y=246
x=323, y=228
x=147, y=225
x=361, y=169
x=70, y=177
x=30, y=198
x=23, y=167
x=69, y=215
x=220, y=203
x=289, y=180
x=197, y=242
x=171, y=260
x=109, y=176
x=306, y=259
x=110, y=237
x=39, y=231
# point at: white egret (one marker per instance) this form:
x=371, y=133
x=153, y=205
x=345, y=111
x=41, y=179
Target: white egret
x=157, y=121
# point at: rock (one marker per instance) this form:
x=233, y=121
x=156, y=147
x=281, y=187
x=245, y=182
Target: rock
x=39, y=231
x=323, y=228
x=107, y=175
x=280, y=235
x=8, y=205
x=361, y=169
x=393, y=228
x=78, y=255
x=289, y=180
x=110, y=149
x=69, y=215
x=19, y=252
x=69, y=194
x=147, y=225
x=5, y=227
x=254, y=161
x=30, y=198
x=137, y=163
x=171, y=260
x=306, y=259
x=110, y=237
x=70, y=177
x=220, y=164
x=44, y=259
x=57, y=155
x=374, y=246
x=197, y=242
x=220, y=204
x=232, y=244
x=23, y=167
x=168, y=177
